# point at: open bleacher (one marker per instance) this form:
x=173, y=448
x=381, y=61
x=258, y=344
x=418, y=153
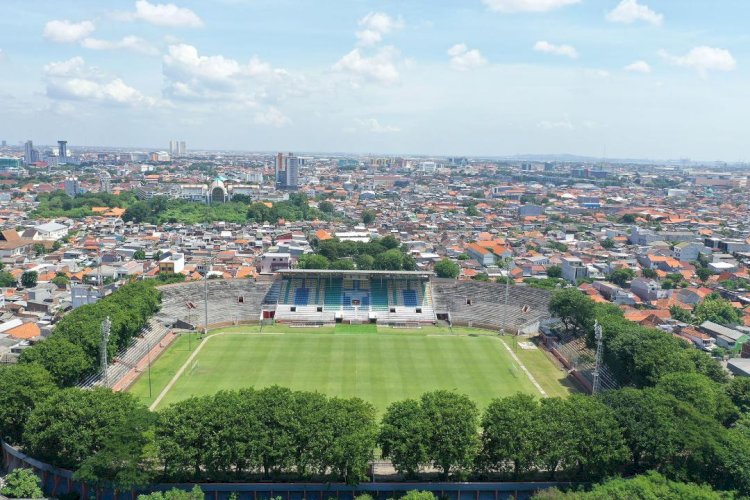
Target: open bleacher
x=327, y=296
x=483, y=304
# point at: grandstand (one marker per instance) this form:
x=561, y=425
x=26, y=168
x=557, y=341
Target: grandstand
x=482, y=304
x=329, y=296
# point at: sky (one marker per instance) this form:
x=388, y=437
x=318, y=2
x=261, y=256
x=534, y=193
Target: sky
x=658, y=79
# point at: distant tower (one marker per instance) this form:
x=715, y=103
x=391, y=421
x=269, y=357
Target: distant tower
x=183, y=148
x=105, y=183
x=171, y=147
x=30, y=155
x=72, y=187
x=287, y=171
x=62, y=150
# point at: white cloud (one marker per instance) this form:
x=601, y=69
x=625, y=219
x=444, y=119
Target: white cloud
x=703, y=59
x=560, y=50
x=527, y=5
x=273, y=117
x=379, y=68
x=72, y=80
x=375, y=25
x=72, y=67
x=638, y=67
x=163, y=14
x=463, y=58
x=131, y=43
x=374, y=126
x=66, y=31
x=630, y=11
x=191, y=76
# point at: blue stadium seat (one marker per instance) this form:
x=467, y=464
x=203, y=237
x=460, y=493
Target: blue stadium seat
x=410, y=298
x=301, y=296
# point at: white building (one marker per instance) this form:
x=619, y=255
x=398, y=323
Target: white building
x=51, y=231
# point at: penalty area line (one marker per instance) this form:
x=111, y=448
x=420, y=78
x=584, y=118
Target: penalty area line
x=526, y=370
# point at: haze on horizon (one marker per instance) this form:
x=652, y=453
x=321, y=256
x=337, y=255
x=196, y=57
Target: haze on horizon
x=622, y=78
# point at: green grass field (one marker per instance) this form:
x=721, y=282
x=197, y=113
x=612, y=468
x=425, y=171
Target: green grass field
x=380, y=365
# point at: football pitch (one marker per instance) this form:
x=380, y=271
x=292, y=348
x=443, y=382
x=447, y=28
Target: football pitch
x=378, y=365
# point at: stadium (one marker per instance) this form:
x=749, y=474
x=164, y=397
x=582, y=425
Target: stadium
x=379, y=335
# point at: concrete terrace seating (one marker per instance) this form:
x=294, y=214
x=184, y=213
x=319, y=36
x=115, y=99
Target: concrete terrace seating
x=153, y=333
x=483, y=304
x=229, y=301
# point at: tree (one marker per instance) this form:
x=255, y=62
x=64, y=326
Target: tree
x=703, y=273
x=326, y=207
x=651, y=485
x=61, y=280
x=608, y=243
x=680, y=314
x=368, y=217
x=74, y=425
x=418, y=495
x=627, y=219
x=446, y=268
x=649, y=273
x=312, y=261
x=403, y=436
x=738, y=391
x=554, y=272
x=29, y=278
x=451, y=430
x=717, y=310
x=65, y=361
x=703, y=394
x=472, y=211
x=574, y=309
x=390, y=260
x=7, y=280
x=510, y=435
x=389, y=242
x=175, y=494
x=650, y=425
x=364, y=261
x=342, y=265
x=139, y=254
x=39, y=249
x=621, y=276
x=353, y=436
x=22, y=483
x=580, y=435
x=24, y=386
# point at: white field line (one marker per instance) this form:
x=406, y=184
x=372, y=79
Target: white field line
x=523, y=367
x=184, y=366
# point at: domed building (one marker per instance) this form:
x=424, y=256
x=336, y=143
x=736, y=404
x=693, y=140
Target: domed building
x=217, y=192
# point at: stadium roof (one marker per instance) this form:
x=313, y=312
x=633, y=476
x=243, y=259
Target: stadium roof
x=363, y=272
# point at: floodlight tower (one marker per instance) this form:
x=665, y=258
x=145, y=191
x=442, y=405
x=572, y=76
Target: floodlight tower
x=103, y=364
x=599, y=348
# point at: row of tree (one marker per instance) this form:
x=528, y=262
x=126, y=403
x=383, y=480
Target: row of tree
x=636, y=355
x=687, y=427
x=72, y=352
x=379, y=253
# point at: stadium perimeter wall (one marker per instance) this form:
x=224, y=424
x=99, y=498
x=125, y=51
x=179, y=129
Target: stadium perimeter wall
x=56, y=481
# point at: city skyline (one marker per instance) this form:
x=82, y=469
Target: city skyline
x=608, y=79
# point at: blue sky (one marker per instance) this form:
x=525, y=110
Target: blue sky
x=622, y=78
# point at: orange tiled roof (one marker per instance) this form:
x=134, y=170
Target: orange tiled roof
x=25, y=331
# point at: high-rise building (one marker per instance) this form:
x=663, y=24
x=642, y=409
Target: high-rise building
x=287, y=171
x=72, y=187
x=182, y=149
x=30, y=154
x=105, y=183
x=62, y=151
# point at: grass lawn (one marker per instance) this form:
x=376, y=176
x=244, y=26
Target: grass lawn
x=376, y=365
